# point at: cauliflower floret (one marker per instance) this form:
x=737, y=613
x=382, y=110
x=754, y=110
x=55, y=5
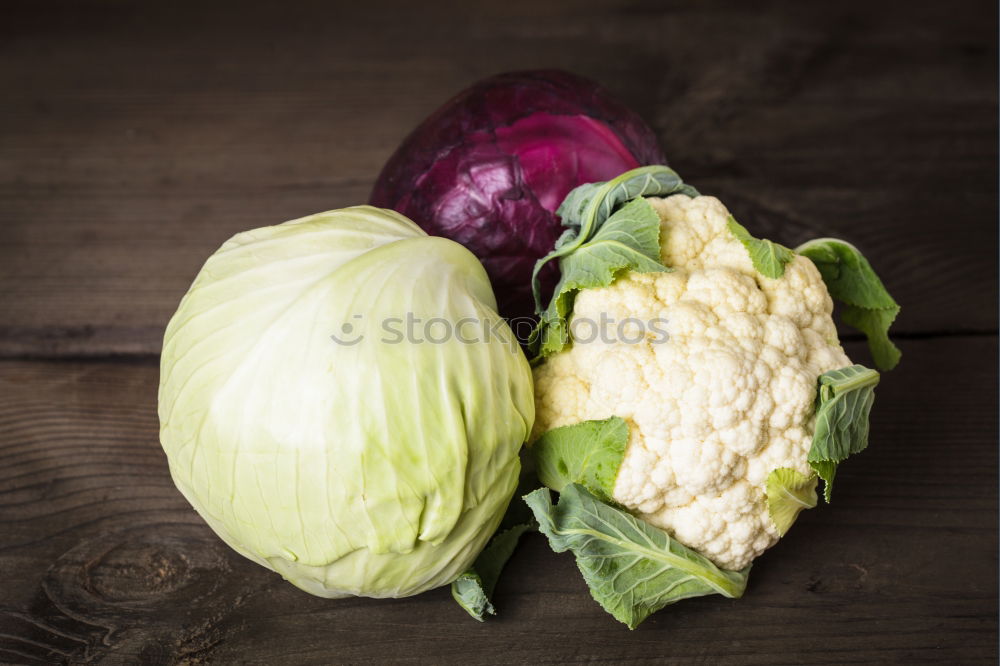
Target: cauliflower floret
x=718, y=404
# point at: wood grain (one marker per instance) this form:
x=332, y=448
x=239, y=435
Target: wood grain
x=102, y=560
x=135, y=138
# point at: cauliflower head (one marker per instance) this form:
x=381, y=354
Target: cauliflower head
x=718, y=402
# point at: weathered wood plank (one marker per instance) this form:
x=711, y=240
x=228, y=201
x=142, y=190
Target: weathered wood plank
x=134, y=139
x=101, y=558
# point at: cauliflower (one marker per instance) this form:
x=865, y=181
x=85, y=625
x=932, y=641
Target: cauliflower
x=691, y=391
x=728, y=396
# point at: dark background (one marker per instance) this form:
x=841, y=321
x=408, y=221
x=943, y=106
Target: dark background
x=135, y=138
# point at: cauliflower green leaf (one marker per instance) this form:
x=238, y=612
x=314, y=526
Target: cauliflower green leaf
x=768, y=257
x=628, y=240
x=610, y=229
x=789, y=492
x=646, y=181
x=632, y=568
x=474, y=587
x=868, y=307
x=588, y=453
x=844, y=403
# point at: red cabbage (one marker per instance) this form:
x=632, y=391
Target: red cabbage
x=489, y=168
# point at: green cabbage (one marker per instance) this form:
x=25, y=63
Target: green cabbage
x=319, y=440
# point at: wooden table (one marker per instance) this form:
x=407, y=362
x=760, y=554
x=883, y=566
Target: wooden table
x=135, y=138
